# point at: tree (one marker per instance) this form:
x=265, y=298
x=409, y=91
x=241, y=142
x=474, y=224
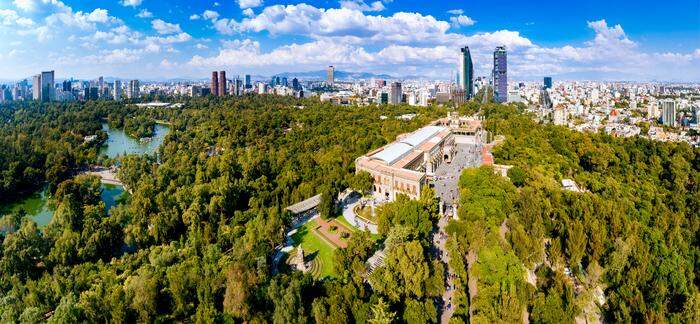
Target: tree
x=517, y=176
x=362, y=181
x=381, y=313
x=327, y=206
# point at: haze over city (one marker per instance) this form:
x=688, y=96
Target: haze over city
x=592, y=40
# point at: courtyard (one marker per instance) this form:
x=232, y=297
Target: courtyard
x=447, y=174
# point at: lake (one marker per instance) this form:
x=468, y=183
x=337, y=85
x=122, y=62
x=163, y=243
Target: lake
x=119, y=143
x=37, y=206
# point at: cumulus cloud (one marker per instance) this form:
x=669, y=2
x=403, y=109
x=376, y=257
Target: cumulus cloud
x=131, y=3
x=165, y=28
x=244, y=4
x=81, y=20
x=9, y=17
x=144, y=13
x=248, y=12
x=343, y=24
x=462, y=20
x=195, y=17
x=361, y=5
x=210, y=14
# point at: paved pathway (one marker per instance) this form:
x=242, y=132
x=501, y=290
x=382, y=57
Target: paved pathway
x=447, y=174
x=440, y=241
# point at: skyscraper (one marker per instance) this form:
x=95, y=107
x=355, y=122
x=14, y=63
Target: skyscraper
x=330, y=78
x=222, y=83
x=396, y=93
x=117, y=95
x=214, y=84
x=47, y=86
x=668, y=112
x=295, y=84
x=132, y=91
x=36, y=87
x=547, y=82
x=466, y=72
x=248, y=85
x=500, y=75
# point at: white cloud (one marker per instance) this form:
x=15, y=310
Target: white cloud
x=144, y=13
x=462, y=20
x=165, y=28
x=131, y=3
x=201, y=46
x=167, y=64
x=210, y=14
x=40, y=6
x=194, y=17
x=171, y=39
x=697, y=53
x=361, y=5
x=248, y=12
x=244, y=4
x=455, y=12
x=81, y=20
x=347, y=25
x=9, y=17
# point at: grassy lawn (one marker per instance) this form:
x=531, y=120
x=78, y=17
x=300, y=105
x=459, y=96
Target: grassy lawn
x=316, y=249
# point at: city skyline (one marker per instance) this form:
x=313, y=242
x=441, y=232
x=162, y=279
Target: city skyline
x=149, y=40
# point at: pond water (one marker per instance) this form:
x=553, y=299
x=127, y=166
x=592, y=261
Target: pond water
x=37, y=205
x=119, y=143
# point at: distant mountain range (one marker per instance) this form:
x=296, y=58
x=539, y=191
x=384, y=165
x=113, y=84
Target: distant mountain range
x=339, y=75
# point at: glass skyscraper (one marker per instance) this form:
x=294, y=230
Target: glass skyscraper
x=547, y=82
x=466, y=73
x=500, y=75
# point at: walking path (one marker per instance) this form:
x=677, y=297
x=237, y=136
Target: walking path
x=440, y=242
x=107, y=175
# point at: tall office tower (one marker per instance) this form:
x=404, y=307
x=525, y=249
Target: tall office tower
x=36, y=87
x=547, y=82
x=222, y=83
x=101, y=85
x=466, y=72
x=117, y=95
x=214, y=85
x=262, y=88
x=132, y=91
x=395, y=97
x=248, y=85
x=238, y=87
x=295, y=84
x=47, y=86
x=668, y=112
x=330, y=77
x=285, y=82
x=278, y=81
x=67, y=86
x=500, y=75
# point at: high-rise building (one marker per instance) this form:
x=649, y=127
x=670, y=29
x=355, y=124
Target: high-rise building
x=330, y=77
x=36, y=87
x=117, y=95
x=262, y=88
x=668, y=112
x=500, y=75
x=547, y=82
x=47, y=86
x=222, y=83
x=295, y=84
x=396, y=94
x=133, y=91
x=67, y=86
x=466, y=72
x=285, y=82
x=214, y=85
x=248, y=85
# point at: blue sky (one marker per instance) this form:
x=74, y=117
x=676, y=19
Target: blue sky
x=149, y=39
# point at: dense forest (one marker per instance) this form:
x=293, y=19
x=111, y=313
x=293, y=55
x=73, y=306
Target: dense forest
x=195, y=238
x=627, y=241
